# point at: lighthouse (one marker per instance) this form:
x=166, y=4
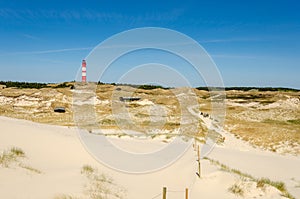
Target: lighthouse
x=83, y=71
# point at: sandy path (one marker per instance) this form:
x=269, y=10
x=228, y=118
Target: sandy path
x=240, y=155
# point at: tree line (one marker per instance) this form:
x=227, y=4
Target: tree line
x=36, y=85
x=144, y=86
x=248, y=89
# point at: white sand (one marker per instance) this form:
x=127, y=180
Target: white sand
x=58, y=153
x=240, y=155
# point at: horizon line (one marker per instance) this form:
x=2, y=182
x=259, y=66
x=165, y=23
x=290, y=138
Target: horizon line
x=128, y=84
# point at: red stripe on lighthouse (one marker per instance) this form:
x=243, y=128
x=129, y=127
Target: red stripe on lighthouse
x=83, y=71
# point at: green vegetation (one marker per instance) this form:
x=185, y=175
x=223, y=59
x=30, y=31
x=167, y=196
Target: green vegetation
x=279, y=185
x=10, y=156
x=236, y=189
x=23, y=84
x=150, y=87
x=294, y=121
x=14, y=155
x=287, y=122
x=248, y=96
x=260, y=182
x=31, y=169
x=270, y=121
x=35, y=85
x=100, y=186
x=145, y=86
x=248, y=89
x=228, y=169
x=64, y=85
x=87, y=169
x=211, y=88
x=17, y=152
x=266, y=102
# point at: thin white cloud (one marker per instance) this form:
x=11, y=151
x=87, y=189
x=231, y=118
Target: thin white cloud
x=124, y=45
x=29, y=36
x=8, y=13
x=232, y=40
x=89, y=15
x=233, y=56
x=48, y=51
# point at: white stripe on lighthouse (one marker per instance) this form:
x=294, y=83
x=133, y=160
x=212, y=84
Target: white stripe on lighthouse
x=83, y=71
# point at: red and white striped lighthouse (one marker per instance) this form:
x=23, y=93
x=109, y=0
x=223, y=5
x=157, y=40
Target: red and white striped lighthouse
x=83, y=71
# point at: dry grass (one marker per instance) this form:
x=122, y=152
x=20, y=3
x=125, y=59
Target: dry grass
x=87, y=170
x=269, y=120
x=37, y=105
x=100, y=186
x=31, y=169
x=274, y=128
x=65, y=196
x=11, y=156
x=236, y=189
x=268, y=135
x=260, y=182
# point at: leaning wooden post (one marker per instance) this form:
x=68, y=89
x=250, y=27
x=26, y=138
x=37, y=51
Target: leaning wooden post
x=164, y=193
x=199, y=169
x=186, y=193
x=199, y=165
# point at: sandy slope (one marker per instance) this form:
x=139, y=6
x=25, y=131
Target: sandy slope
x=53, y=150
x=59, y=154
x=261, y=164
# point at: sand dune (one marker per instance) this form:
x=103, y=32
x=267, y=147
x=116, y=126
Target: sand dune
x=58, y=153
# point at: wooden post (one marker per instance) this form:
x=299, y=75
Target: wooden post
x=164, y=193
x=186, y=193
x=199, y=169
x=199, y=164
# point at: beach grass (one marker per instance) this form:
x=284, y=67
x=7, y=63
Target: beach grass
x=236, y=189
x=7, y=157
x=100, y=186
x=260, y=182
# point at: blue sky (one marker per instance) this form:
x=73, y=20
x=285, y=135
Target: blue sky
x=253, y=43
